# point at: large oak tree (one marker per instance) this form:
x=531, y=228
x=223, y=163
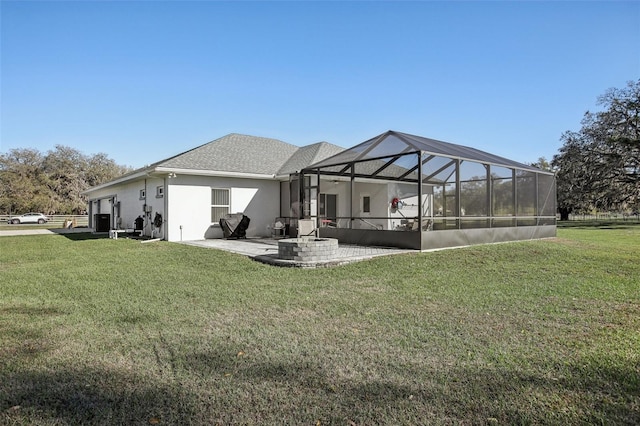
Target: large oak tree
x=51, y=183
x=599, y=165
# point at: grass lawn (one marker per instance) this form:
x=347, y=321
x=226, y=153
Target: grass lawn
x=97, y=331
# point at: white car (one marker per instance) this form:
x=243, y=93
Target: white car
x=28, y=218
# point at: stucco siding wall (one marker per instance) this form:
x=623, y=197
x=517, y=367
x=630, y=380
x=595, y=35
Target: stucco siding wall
x=155, y=204
x=102, y=195
x=189, y=211
x=128, y=198
x=185, y=205
x=341, y=190
x=379, y=204
x=130, y=203
x=189, y=201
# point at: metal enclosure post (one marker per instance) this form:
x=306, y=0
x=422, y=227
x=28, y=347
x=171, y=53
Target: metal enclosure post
x=458, y=192
x=419, y=154
x=301, y=193
x=352, y=177
x=514, y=194
x=489, y=196
x=536, y=202
x=317, y=202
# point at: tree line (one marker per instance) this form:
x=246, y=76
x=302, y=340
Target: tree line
x=598, y=166
x=53, y=182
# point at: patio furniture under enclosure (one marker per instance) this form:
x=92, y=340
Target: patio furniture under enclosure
x=408, y=191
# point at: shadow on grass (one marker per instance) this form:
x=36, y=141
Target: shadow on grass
x=82, y=236
x=90, y=396
x=31, y=310
x=31, y=393
x=612, y=387
x=415, y=395
x=220, y=387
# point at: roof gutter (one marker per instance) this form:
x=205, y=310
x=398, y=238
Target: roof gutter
x=163, y=170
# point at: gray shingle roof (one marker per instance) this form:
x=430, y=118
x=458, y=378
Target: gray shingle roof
x=235, y=153
x=308, y=155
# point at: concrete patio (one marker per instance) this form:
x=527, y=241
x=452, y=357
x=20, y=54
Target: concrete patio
x=266, y=250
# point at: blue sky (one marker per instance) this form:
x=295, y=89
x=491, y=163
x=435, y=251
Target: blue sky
x=142, y=81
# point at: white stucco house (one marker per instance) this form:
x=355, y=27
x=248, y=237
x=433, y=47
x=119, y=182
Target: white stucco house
x=187, y=194
x=394, y=189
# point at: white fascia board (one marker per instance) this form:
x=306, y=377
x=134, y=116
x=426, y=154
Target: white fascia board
x=165, y=170
x=122, y=179
x=283, y=177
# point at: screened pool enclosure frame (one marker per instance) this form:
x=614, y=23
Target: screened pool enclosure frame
x=371, y=194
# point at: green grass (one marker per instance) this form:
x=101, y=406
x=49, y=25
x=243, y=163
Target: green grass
x=97, y=331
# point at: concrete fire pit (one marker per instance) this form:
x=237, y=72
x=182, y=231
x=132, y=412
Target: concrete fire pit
x=308, y=249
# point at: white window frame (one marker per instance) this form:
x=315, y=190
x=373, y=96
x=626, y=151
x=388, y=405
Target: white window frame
x=159, y=191
x=228, y=205
x=143, y=194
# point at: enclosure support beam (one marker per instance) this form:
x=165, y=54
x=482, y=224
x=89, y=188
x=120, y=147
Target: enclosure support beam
x=420, y=195
x=318, y=201
x=514, y=195
x=352, y=177
x=489, y=196
x=458, y=207
x=301, y=195
x=537, y=211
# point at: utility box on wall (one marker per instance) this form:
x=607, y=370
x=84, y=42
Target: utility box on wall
x=102, y=222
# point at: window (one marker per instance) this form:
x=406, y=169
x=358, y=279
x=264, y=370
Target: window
x=143, y=194
x=159, y=191
x=366, y=204
x=219, y=204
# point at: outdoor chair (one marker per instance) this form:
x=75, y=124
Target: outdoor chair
x=306, y=228
x=278, y=229
x=427, y=224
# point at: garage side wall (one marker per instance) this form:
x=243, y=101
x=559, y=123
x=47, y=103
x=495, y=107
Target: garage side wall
x=133, y=203
x=126, y=202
